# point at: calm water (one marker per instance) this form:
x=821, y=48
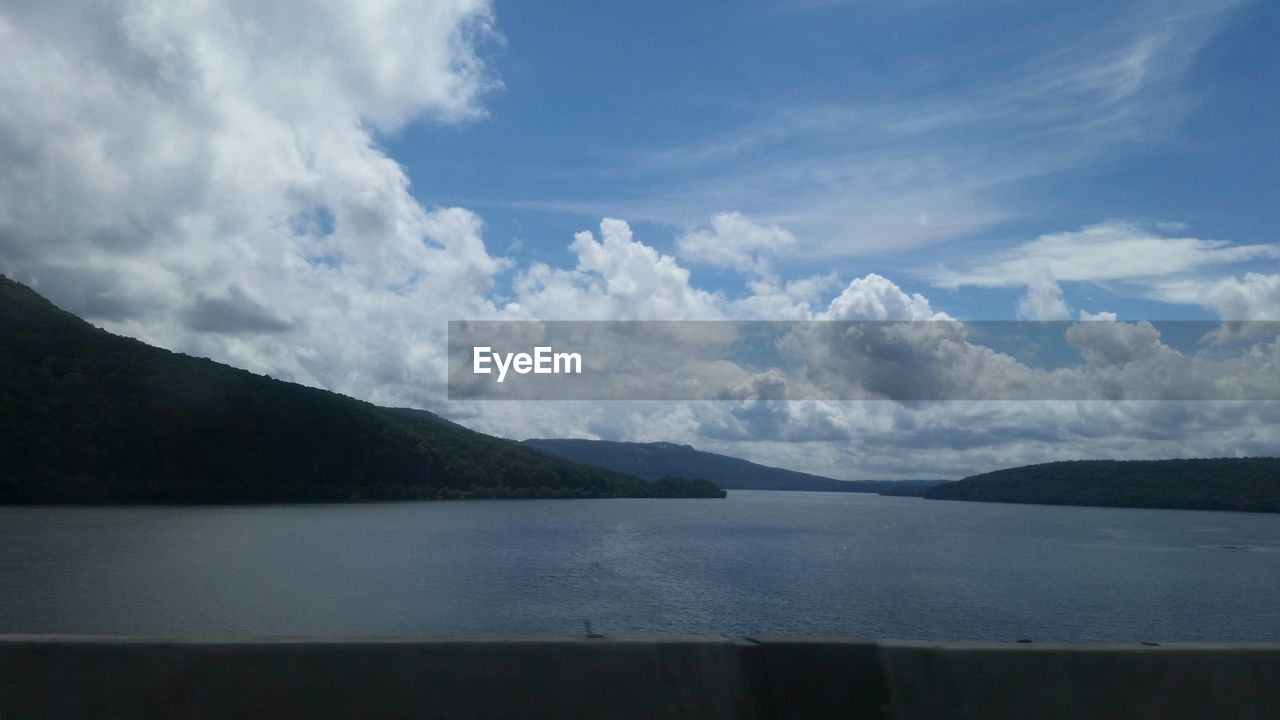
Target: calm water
x=758, y=562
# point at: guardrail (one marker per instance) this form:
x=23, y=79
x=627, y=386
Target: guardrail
x=630, y=677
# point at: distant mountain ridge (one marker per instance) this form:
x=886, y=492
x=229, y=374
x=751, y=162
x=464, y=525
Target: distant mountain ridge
x=653, y=460
x=91, y=417
x=1246, y=484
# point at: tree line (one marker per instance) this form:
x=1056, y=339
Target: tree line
x=91, y=417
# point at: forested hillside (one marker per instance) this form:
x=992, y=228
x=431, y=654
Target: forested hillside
x=91, y=417
x=1251, y=484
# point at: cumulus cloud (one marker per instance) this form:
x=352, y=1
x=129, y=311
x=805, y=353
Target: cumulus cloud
x=763, y=421
x=1115, y=343
x=616, y=278
x=1255, y=296
x=868, y=440
x=875, y=297
x=1043, y=301
x=950, y=360
x=736, y=242
x=206, y=176
x=771, y=299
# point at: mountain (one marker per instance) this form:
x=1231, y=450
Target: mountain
x=1251, y=484
x=91, y=417
x=654, y=460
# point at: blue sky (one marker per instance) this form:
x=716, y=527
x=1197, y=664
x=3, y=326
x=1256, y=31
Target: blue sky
x=311, y=189
x=849, y=123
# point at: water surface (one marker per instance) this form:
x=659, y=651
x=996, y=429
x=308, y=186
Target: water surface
x=756, y=562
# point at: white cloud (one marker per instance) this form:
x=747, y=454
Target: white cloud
x=871, y=440
x=207, y=176
x=1149, y=260
x=887, y=440
x=1107, y=251
x=204, y=175
x=1115, y=344
x=1255, y=296
x=770, y=299
x=1043, y=301
x=616, y=278
x=874, y=297
x=736, y=242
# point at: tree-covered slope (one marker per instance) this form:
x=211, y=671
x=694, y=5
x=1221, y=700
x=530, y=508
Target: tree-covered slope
x=1251, y=484
x=91, y=417
x=654, y=460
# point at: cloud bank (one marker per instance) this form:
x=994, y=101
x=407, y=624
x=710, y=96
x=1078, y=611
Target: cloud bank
x=209, y=177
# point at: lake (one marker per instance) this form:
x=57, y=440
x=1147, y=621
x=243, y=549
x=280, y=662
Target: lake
x=756, y=562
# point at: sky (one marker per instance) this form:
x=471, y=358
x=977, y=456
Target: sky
x=312, y=190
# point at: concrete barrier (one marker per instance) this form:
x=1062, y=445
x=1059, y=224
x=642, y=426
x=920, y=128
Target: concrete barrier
x=658, y=677
x=1082, y=681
